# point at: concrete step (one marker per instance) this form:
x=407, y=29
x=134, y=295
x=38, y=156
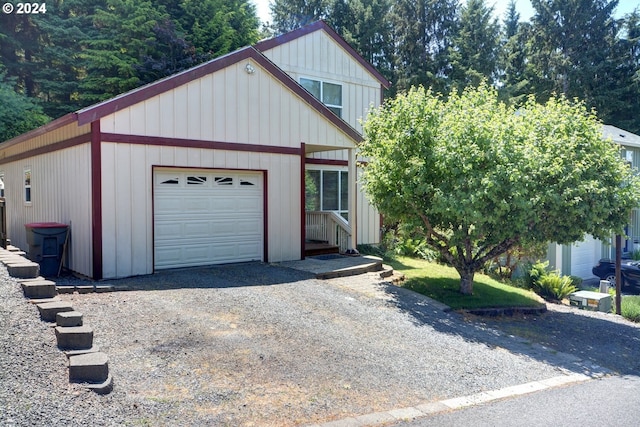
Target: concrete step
x=365, y=264
x=39, y=289
x=49, y=310
x=74, y=337
x=23, y=269
x=69, y=318
x=89, y=368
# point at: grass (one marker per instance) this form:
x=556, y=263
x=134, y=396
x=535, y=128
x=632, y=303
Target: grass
x=442, y=283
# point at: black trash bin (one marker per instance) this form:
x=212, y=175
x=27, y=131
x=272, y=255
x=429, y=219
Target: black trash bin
x=46, y=245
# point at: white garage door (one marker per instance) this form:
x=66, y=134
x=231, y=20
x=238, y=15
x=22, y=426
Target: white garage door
x=204, y=217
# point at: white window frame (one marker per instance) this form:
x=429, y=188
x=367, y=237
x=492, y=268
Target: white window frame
x=342, y=210
x=27, y=186
x=332, y=107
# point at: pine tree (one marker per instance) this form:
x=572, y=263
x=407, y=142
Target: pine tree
x=423, y=31
x=289, y=15
x=474, y=51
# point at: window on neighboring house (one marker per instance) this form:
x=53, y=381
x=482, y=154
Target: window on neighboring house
x=327, y=190
x=27, y=185
x=330, y=94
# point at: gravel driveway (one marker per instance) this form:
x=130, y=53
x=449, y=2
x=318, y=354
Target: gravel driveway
x=260, y=345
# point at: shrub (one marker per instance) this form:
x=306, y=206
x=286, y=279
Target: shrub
x=554, y=287
x=631, y=308
x=534, y=272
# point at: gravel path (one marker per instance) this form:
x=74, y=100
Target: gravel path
x=261, y=345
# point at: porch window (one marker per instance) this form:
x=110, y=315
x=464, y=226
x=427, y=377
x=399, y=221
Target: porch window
x=330, y=94
x=327, y=190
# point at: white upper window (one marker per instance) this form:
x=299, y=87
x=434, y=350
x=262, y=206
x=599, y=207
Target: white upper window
x=330, y=94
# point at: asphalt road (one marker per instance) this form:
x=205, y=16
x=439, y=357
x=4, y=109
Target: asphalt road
x=611, y=401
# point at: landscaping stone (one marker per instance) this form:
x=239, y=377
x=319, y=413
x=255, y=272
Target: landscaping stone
x=65, y=289
x=24, y=269
x=39, y=289
x=49, y=310
x=69, y=353
x=69, y=318
x=74, y=337
x=89, y=367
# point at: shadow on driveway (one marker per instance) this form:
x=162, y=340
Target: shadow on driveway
x=590, y=343
x=215, y=276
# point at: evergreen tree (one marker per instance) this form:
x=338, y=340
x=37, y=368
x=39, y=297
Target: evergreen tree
x=571, y=48
x=124, y=34
x=513, y=57
x=423, y=31
x=289, y=15
x=217, y=27
x=475, y=48
x=371, y=33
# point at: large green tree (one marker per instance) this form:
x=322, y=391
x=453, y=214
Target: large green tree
x=423, y=31
x=475, y=46
x=479, y=178
x=571, y=48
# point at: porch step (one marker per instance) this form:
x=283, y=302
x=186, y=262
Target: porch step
x=366, y=264
x=89, y=368
x=49, y=310
x=39, y=289
x=74, y=337
x=316, y=248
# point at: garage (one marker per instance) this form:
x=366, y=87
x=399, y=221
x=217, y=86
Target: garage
x=204, y=217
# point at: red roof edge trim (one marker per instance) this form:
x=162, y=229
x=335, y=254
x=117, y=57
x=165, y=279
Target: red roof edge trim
x=53, y=125
x=267, y=44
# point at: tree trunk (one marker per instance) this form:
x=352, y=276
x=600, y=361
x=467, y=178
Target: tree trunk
x=466, y=281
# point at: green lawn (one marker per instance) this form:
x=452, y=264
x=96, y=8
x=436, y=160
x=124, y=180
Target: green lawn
x=442, y=283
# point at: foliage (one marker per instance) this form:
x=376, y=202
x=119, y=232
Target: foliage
x=631, y=308
x=554, y=287
x=549, y=284
x=18, y=114
x=480, y=179
x=439, y=282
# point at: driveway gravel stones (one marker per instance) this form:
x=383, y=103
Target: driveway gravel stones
x=255, y=344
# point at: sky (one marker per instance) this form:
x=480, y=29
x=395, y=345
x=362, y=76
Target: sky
x=500, y=6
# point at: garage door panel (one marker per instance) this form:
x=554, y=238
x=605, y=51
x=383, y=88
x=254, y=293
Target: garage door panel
x=207, y=217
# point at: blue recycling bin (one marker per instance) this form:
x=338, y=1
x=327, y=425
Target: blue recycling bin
x=46, y=242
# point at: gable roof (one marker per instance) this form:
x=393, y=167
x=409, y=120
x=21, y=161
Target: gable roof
x=267, y=44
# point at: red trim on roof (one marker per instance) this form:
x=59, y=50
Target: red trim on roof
x=316, y=26
x=53, y=125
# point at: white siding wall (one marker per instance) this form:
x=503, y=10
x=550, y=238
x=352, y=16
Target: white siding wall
x=61, y=192
x=127, y=200
x=318, y=56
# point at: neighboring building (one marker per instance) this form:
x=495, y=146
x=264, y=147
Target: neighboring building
x=579, y=258
x=207, y=166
